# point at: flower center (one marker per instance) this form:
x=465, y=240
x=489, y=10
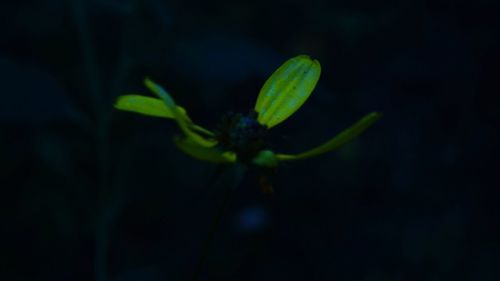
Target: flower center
x=241, y=134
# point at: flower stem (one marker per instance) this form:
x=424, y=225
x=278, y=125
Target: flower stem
x=102, y=220
x=101, y=248
x=230, y=181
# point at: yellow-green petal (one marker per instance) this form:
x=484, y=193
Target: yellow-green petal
x=287, y=89
x=183, y=123
x=146, y=105
x=340, y=139
x=265, y=158
x=209, y=154
x=155, y=107
x=202, y=130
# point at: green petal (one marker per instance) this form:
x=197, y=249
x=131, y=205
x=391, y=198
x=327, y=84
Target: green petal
x=146, y=105
x=287, y=89
x=342, y=138
x=202, y=130
x=266, y=158
x=184, y=123
x=209, y=154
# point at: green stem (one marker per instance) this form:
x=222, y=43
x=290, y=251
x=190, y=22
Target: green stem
x=102, y=219
x=101, y=248
x=88, y=54
x=233, y=178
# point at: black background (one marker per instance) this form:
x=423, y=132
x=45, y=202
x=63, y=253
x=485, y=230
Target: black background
x=414, y=198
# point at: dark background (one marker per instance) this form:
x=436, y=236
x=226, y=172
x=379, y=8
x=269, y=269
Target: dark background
x=414, y=198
